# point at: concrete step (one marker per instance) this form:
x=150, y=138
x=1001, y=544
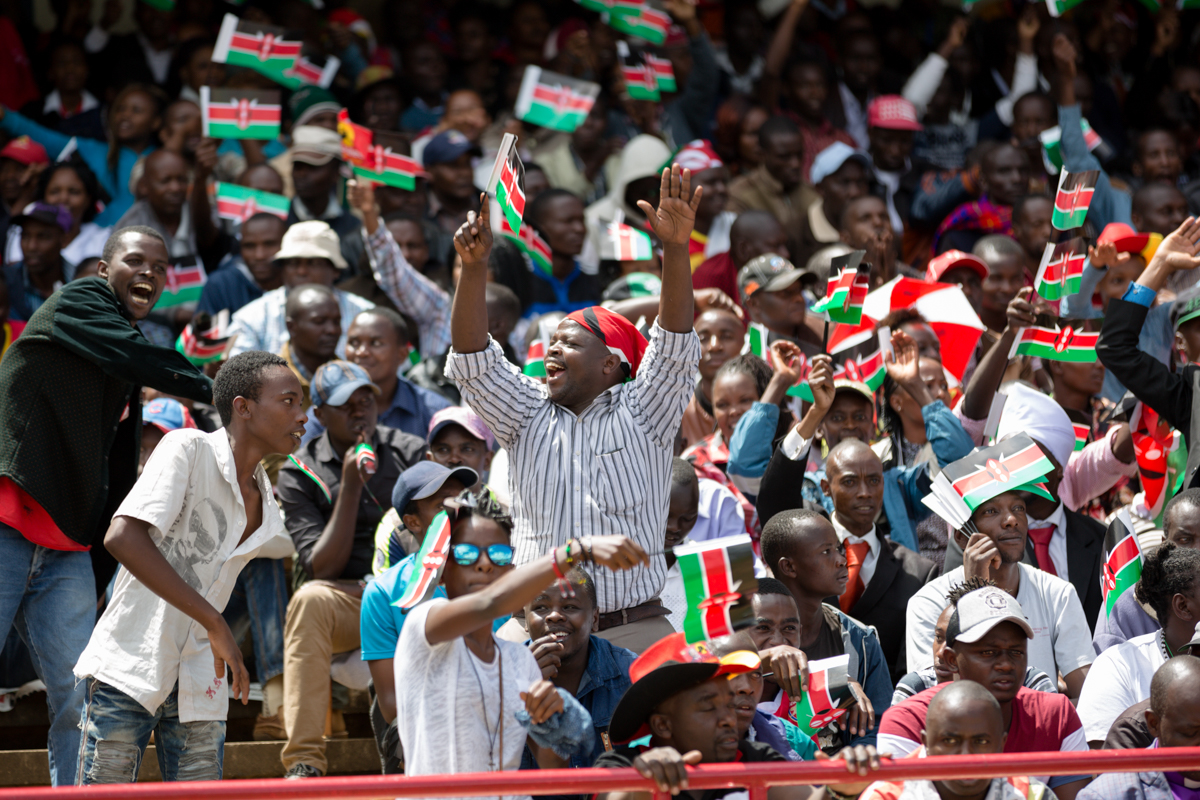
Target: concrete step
x=242, y=760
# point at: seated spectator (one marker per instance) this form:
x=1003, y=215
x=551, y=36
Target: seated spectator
x=309, y=253
x=459, y=438
x=1171, y=720
x=722, y=334
x=1008, y=267
x=314, y=324
x=159, y=417
x=711, y=234
x=754, y=724
x=753, y=233
x=772, y=292
x=426, y=69
x=418, y=496
x=558, y=216
x=69, y=107
x=331, y=509
x=891, y=125
x=777, y=185
x=448, y=158
x=866, y=226
x=316, y=154
x=20, y=159
x=71, y=184
x=683, y=513
x=416, y=243
x=1004, y=178
x=249, y=274
x=638, y=177
x=963, y=719
x=1031, y=225
x=584, y=163
x=839, y=174
x=986, y=643
x=814, y=570
x=1121, y=675
x=42, y=269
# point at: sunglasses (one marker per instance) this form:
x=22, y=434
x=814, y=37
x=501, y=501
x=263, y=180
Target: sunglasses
x=501, y=555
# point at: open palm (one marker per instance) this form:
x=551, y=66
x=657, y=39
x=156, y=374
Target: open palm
x=1179, y=249
x=676, y=214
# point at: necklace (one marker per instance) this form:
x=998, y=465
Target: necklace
x=499, y=732
x=1166, y=648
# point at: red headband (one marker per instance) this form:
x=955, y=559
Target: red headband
x=616, y=332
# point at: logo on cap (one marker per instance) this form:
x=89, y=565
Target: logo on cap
x=996, y=601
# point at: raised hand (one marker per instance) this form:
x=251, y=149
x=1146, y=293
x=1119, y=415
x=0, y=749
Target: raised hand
x=903, y=364
x=955, y=36
x=473, y=241
x=1020, y=310
x=1104, y=255
x=1027, y=28
x=542, y=701
x=787, y=360
x=712, y=297
x=1179, y=250
x=676, y=215
x=820, y=380
x=206, y=158
x=362, y=197
x=1064, y=56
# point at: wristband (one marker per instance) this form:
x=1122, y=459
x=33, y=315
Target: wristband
x=558, y=573
x=1142, y=295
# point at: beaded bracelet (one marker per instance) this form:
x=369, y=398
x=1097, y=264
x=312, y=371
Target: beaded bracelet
x=564, y=585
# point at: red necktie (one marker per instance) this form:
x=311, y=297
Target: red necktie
x=1041, y=547
x=855, y=553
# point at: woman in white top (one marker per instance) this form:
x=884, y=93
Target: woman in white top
x=72, y=184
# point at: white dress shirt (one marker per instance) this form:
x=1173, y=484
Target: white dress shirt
x=866, y=570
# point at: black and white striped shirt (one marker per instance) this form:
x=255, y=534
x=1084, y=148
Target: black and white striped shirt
x=604, y=472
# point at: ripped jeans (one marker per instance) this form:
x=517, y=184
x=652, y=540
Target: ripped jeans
x=116, y=730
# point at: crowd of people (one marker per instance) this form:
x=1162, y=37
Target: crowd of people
x=374, y=435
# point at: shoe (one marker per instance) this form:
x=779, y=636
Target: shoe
x=299, y=771
x=269, y=729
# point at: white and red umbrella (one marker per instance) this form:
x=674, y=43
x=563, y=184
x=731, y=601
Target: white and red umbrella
x=944, y=307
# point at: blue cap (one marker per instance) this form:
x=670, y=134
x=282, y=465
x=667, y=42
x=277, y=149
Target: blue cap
x=336, y=380
x=167, y=415
x=424, y=478
x=448, y=146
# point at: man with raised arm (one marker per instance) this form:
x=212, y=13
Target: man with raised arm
x=591, y=448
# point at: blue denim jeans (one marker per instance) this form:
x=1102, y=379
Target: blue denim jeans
x=116, y=730
x=259, y=605
x=50, y=597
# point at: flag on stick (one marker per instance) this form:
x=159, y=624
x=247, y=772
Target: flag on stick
x=531, y=243
x=718, y=579
x=185, y=282
x=1061, y=271
x=205, y=339
x=307, y=470
x=1066, y=344
x=828, y=688
x=664, y=73
x=1153, y=441
x=1122, y=560
x=757, y=340
x=554, y=101
x=240, y=203
x=648, y=23
x=430, y=561
x=1075, y=190
x=240, y=113
x=1082, y=432
x=640, y=80
x=507, y=182
x=1051, y=140
x=310, y=70
x=371, y=160
x=847, y=290
x=264, y=48
x=535, y=361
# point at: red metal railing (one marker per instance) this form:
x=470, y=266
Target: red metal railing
x=756, y=777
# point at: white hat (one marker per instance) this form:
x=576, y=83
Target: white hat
x=315, y=145
x=983, y=609
x=831, y=159
x=311, y=239
x=1038, y=416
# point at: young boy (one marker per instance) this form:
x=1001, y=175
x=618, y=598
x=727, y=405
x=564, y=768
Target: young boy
x=200, y=511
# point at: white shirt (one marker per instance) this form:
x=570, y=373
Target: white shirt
x=867, y=569
x=53, y=104
x=142, y=645
x=1058, y=541
x=718, y=515
x=447, y=703
x=88, y=243
x=1119, y=678
x=1062, y=641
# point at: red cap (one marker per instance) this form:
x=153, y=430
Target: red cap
x=893, y=112
x=1125, y=238
x=697, y=155
x=952, y=259
x=26, y=151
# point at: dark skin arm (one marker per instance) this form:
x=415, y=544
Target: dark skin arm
x=384, y=680
x=990, y=373
x=672, y=223
x=129, y=541
x=468, y=314
x=332, y=550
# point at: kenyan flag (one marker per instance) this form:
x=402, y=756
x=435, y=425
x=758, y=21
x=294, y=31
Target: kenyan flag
x=314, y=71
x=307, y=470
x=1122, y=560
x=1051, y=140
x=240, y=113
x=430, y=561
x=1067, y=344
x=508, y=182
x=535, y=362
x=1075, y=190
x=757, y=340
x=637, y=74
x=240, y=203
x=1009, y=465
x=1153, y=442
x=209, y=345
x=264, y=48
x=1082, y=432
x=648, y=23
x=371, y=160
x=664, y=73
x=185, y=282
x=868, y=369
x=718, y=579
x=530, y=242
x=844, y=297
x=599, y=6
x=1059, y=7
x=625, y=243
x=1061, y=270
x=554, y=101
x=828, y=688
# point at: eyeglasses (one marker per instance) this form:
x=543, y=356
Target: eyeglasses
x=501, y=555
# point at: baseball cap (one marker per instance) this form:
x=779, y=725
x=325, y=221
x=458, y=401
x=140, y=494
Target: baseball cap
x=893, y=112
x=48, y=213
x=311, y=239
x=167, y=415
x=858, y=387
x=831, y=159
x=25, y=151
x=952, y=259
x=1186, y=307
x=468, y=419
x=447, y=146
x=336, y=380
x=1195, y=642
x=983, y=609
x=309, y=101
x=424, y=478
x=315, y=145
x=635, y=284
x=697, y=155
x=1127, y=240
x=769, y=273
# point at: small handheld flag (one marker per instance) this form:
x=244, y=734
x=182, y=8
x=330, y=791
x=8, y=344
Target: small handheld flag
x=865, y=368
x=1014, y=463
x=828, y=689
x=1066, y=344
x=1061, y=271
x=718, y=579
x=535, y=361
x=240, y=203
x=625, y=243
x=847, y=290
x=757, y=340
x=664, y=73
x=530, y=243
x=185, y=282
x=1075, y=190
x=1059, y=7
x=364, y=458
x=240, y=113
x=640, y=80
x=311, y=70
x=370, y=159
x=205, y=339
x=1082, y=432
x=264, y=48
x=647, y=23
x=430, y=561
x=554, y=101
x=1122, y=560
x=1051, y=140
x=1153, y=441
x=507, y=182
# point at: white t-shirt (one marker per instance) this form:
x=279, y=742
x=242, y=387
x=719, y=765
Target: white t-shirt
x=442, y=714
x=1062, y=641
x=1119, y=678
x=142, y=645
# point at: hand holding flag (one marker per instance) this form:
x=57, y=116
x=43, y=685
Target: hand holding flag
x=473, y=241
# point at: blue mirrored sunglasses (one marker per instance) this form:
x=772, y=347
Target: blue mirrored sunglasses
x=501, y=555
